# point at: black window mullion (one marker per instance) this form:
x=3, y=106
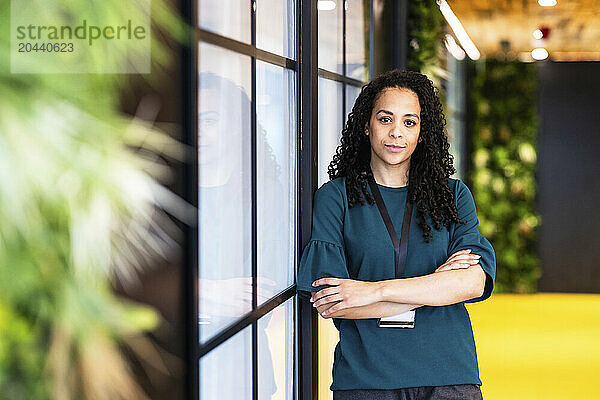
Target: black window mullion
x=245, y=49
x=332, y=76
x=253, y=162
x=246, y=321
x=254, y=207
x=189, y=271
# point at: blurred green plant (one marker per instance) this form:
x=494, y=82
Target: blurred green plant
x=504, y=124
x=81, y=206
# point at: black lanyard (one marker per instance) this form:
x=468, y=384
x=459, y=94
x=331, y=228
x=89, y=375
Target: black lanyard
x=400, y=249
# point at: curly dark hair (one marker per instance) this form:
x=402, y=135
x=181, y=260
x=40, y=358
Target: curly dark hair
x=430, y=165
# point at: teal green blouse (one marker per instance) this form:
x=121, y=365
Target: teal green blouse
x=354, y=243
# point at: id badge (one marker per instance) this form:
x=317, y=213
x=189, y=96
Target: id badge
x=404, y=320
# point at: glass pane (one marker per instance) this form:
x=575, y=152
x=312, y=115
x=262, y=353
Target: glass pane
x=229, y=18
x=331, y=35
x=276, y=178
x=330, y=124
x=226, y=371
x=224, y=174
x=276, y=353
x=455, y=113
x=352, y=93
x=276, y=26
x=357, y=39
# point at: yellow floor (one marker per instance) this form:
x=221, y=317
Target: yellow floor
x=542, y=346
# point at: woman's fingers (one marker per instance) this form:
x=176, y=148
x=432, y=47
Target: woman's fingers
x=324, y=292
x=463, y=256
x=469, y=261
x=327, y=299
x=467, y=257
x=448, y=267
x=465, y=251
x=325, y=307
x=458, y=264
x=460, y=259
x=328, y=281
x=453, y=256
x=454, y=266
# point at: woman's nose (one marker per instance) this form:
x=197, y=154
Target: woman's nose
x=396, y=130
x=396, y=133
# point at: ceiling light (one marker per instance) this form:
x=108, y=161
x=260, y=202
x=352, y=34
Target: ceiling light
x=537, y=34
x=464, y=39
x=325, y=5
x=539, y=53
x=547, y=3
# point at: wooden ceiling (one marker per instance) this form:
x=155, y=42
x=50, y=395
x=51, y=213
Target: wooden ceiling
x=574, y=27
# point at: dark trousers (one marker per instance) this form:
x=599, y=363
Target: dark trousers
x=453, y=392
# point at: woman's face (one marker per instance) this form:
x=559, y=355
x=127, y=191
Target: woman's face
x=219, y=137
x=210, y=136
x=394, y=126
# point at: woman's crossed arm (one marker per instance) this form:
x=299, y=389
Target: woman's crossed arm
x=460, y=278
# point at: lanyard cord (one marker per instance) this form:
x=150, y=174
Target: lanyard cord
x=400, y=248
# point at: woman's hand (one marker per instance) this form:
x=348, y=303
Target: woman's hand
x=458, y=260
x=343, y=294
x=321, y=309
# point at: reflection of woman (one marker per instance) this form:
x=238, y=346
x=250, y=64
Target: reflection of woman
x=395, y=136
x=225, y=238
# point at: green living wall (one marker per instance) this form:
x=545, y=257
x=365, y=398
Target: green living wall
x=503, y=123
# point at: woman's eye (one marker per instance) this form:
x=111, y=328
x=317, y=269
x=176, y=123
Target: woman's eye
x=386, y=118
x=411, y=121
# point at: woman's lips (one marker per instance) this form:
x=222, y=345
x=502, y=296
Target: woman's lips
x=394, y=149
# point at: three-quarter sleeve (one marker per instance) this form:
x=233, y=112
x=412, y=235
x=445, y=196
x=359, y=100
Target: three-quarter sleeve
x=324, y=255
x=467, y=236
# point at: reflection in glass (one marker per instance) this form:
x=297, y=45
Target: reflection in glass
x=229, y=18
x=226, y=371
x=224, y=189
x=276, y=27
x=276, y=178
x=331, y=51
x=330, y=124
x=225, y=212
x=357, y=39
x=276, y=363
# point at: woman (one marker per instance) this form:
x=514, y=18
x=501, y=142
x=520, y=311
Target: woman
x=394, y=147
